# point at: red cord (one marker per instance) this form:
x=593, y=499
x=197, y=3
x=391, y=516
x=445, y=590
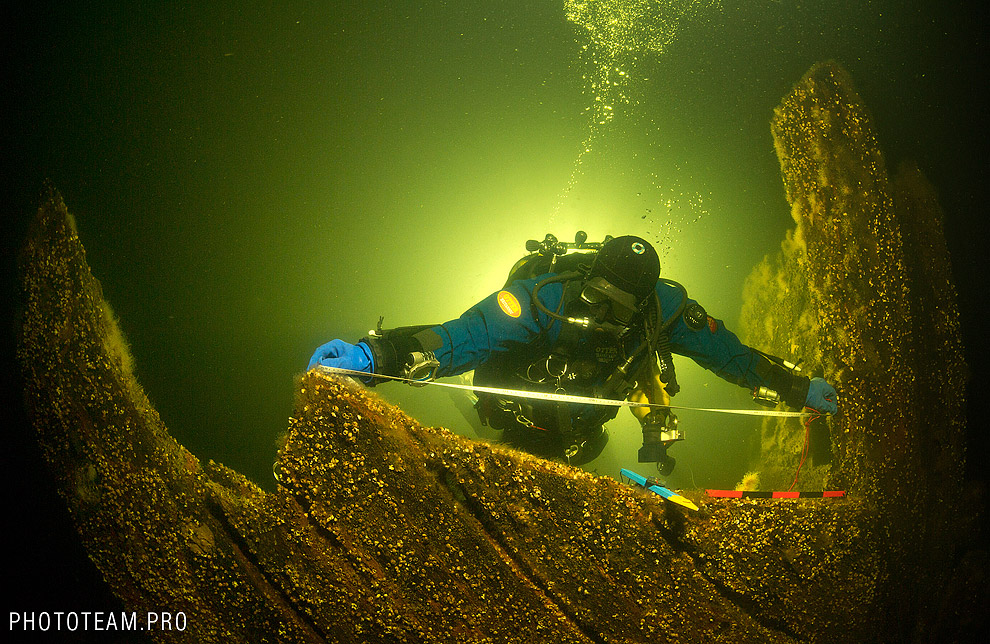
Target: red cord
x=807, y=443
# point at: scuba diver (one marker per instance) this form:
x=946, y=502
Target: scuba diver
x=588, y=319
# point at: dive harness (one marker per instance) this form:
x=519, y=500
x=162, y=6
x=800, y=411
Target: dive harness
x=659, y=427
x=407, y=353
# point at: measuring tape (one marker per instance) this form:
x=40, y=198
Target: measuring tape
x=565, y=398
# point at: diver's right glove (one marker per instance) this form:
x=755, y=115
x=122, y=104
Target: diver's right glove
x=338, y=354
x=822, y=396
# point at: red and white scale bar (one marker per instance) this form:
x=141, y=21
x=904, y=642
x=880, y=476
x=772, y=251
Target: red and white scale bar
x=739, y=494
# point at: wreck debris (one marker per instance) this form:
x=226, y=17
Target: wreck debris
x=863, y=286
x=382, y=530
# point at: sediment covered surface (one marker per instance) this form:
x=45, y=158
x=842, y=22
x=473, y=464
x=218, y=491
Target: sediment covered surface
x=862, y=290
x=382, y=530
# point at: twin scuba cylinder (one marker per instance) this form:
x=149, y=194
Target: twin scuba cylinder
x=659, y=428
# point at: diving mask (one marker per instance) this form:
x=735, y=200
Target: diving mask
x=601, y=295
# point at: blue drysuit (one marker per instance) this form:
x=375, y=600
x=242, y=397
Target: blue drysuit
x=487, y=329
x=512, y=343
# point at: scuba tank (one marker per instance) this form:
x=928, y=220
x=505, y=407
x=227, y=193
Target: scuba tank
x=572, y=263
x=544, y=259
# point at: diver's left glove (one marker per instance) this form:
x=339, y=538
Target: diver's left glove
x=338, y=354
x=822, y=396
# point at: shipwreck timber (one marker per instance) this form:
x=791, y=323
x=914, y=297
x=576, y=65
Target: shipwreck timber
x=382, y=530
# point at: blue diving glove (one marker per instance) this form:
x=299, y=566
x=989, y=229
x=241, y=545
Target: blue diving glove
x=341, y=355
x=822, y=396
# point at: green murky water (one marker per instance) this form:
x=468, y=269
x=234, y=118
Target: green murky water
x=251, y=181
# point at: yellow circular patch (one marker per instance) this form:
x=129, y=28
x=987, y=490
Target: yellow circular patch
x=509, y=304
